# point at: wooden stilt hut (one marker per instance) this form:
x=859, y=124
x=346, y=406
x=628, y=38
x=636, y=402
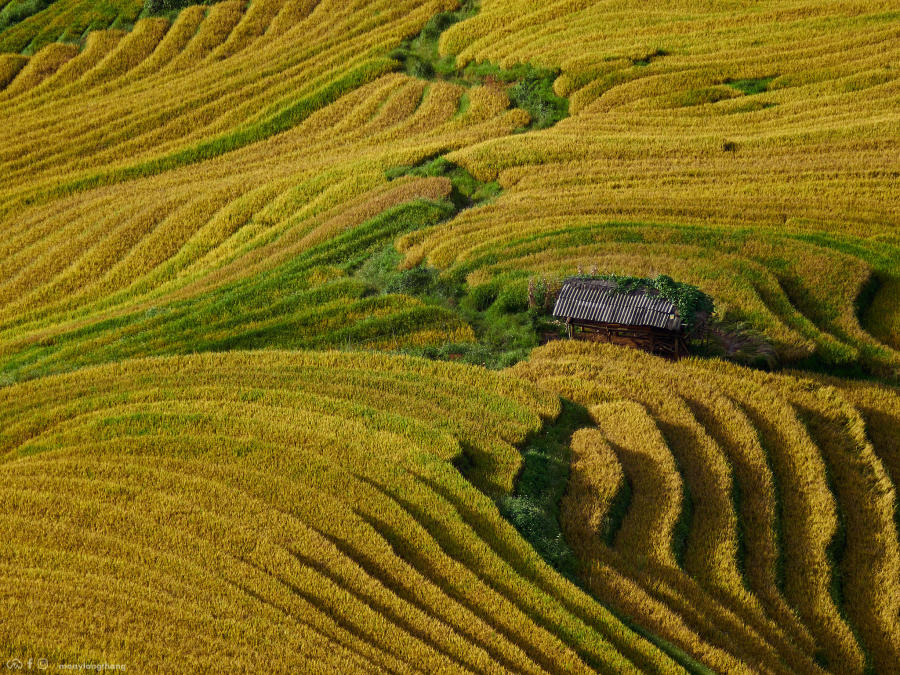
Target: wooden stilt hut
x=595, y=309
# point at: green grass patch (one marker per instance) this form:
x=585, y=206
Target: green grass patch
x=467, y=190
x=534, y=94
x=751, y=86
x=533, y=508
x=419, y=54
x=528, y=88
x=506, y=329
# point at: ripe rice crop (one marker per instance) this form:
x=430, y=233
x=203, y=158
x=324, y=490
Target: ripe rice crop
x=253, y=24
x=43, y=64
x=183, y=199
x=97, y=45
x=184, y=229
x=66, y=21
x=162, y=468
x=646, y=531
x=220, y=19
x=175, y=234
x=597, y=478
x=781, y=120
x=131, y=51
x=801, y=455
x=798, y=284
x=10, y=65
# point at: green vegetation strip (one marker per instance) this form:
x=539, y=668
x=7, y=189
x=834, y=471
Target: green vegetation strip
x=533, y=509
x=17, y=11
x=528, y=88
x=282, y=308
x=506, y=328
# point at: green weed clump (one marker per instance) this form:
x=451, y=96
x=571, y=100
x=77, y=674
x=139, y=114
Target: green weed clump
x=751, y=86
x=467, y=190
x=534, y=93
x=527, y=87
x=534, y=506
x=420, y=55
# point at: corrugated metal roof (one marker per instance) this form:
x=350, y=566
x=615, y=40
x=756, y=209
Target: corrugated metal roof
x=596, y=300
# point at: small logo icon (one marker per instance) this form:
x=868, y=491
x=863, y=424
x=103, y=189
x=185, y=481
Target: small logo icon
x=43, y=664
x=14, y=664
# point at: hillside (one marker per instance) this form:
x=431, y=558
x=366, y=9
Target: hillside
x=272, y=390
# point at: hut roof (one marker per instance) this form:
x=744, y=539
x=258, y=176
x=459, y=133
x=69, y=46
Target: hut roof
x=599, y=301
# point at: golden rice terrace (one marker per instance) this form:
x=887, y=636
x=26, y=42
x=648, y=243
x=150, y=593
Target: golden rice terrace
x=299, y=371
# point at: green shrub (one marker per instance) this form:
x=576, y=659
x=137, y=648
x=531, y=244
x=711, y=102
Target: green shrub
x=420, y=68
x=412, y=282
x=534, y=93
x=513, y=298
x=483, y=296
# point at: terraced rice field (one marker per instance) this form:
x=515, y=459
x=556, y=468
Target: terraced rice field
x=28, y=27
x=283, y=510
x=142, y=119
x=230, y=234
x=760, y=519
x=750, y=150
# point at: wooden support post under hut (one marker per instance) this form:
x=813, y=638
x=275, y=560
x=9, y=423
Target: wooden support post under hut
x=594, y=309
